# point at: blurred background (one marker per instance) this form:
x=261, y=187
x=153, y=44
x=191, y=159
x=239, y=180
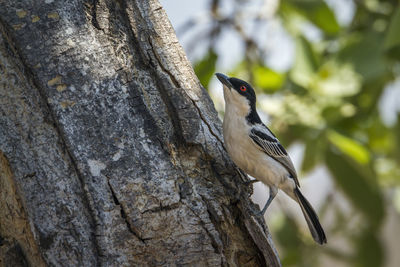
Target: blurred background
x=327, y=75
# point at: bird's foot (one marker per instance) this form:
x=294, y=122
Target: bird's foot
x=260, y=214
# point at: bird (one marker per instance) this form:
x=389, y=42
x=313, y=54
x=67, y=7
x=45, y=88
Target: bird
x=257, y=151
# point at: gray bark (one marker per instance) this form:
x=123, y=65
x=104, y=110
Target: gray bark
x=111, y=152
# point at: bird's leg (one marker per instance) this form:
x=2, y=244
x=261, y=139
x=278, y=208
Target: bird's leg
x=244, y=176
x=273, y=190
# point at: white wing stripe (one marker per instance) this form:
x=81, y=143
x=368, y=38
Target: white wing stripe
x=271, y=146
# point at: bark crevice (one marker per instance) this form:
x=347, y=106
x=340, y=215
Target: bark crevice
x=93, y=13
x=50, y=118
x=124, y=216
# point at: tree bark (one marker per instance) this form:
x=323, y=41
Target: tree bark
x=111, y=152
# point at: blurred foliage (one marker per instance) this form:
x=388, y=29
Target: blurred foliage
x=315, y=11
x=205, y=68
x=328, y=100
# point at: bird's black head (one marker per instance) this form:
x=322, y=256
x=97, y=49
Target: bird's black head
x=240, y=86
x=241, y=95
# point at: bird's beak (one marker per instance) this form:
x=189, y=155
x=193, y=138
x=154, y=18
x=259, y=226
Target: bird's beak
x=224, y=80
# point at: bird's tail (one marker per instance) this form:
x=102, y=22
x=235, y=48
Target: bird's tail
x=311, y=217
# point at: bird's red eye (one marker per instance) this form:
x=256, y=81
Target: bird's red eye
x=243, y=88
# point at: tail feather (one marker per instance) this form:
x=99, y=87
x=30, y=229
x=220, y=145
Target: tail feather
x=315, y=227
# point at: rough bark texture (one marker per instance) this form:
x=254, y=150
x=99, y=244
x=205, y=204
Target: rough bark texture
x=110, y=150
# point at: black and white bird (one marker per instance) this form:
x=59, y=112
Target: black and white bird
x=256, y=150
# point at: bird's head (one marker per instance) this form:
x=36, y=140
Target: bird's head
x=238, y=93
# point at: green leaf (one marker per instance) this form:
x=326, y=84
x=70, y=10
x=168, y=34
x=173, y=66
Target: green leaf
x=289, y=237
x=309, y=159
x=370, y=252
x=267, y=79
x=205, y=68
x=359, y=184
x=392, y=38
x=315, y=146
x=317, y=12
x=311, y=156
x=350, y=147
x=365, y=52
x=381, y=139
x=291, y=257
x=305, y=63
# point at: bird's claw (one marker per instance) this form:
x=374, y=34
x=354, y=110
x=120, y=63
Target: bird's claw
x=259, y=214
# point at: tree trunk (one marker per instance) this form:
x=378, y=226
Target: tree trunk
x=111, y=152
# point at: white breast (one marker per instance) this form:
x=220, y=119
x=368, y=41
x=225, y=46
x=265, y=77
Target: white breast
x=245, y=153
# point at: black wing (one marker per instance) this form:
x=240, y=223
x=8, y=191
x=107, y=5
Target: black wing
x=268, y=143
